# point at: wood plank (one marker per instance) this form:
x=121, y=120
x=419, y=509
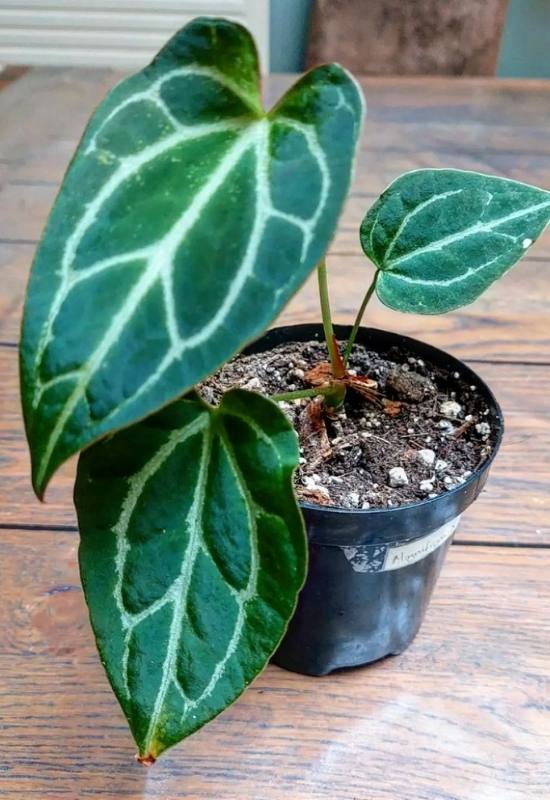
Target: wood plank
x=509, y=322
x=467, y=101
x=15, y=261
x=481, y=125
x=401, y=146
x=499, y=125
x=514, y=508
x=493, y=114
x=522, y=156
x=56, y=99
x=459, y=716
x=26, y=204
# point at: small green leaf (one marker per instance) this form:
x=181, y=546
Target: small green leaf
x=187, y=219
x=441, y=237
x=192, y=554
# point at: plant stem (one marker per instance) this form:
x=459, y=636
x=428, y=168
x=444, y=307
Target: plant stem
x=335, y=359
x=359, y=317
x=299, y=393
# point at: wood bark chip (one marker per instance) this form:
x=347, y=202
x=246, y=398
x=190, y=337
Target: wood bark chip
x=312, y=424
x=319, y=375
x=313, y=496
x=391, y=407
x=464, y=427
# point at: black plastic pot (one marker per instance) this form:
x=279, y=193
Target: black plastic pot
x=372, y=572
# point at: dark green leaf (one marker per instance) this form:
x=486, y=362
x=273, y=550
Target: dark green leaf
x=192, y=554
x=441, y=237
x=187, y=219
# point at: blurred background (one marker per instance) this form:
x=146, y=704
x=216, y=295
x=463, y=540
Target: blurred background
x=508, y=38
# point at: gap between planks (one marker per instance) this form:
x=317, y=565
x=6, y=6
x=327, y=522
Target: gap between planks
x=495, y=362
x=43, y=528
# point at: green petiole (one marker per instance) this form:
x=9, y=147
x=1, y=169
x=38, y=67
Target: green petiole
x=359, y=317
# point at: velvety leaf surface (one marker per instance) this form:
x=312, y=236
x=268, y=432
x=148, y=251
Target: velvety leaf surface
x=192, y=554
x=441, y=237
x=187, y=219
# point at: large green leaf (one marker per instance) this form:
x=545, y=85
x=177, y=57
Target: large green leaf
x=192, y=554
x=187, y=219
x=441, y=237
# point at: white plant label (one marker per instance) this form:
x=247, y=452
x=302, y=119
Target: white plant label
x=387, y=557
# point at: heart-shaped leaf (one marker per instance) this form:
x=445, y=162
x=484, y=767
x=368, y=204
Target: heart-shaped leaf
x=192, y=554
x=187, y=219
x=441, y=237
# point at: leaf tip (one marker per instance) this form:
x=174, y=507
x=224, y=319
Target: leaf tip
x=147, y=760
x=39, y=483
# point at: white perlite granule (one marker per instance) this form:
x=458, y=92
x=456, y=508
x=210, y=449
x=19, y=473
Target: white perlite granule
x=398, y=477
x=450, y=408
x=426, y=456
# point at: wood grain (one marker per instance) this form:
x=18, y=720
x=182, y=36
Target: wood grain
x=15, y=262
x=426, y=37
x=522, y=468
x=460, y=716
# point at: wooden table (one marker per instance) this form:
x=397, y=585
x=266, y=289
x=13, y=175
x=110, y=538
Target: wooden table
x=464, y=713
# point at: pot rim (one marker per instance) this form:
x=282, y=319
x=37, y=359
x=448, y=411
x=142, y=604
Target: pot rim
x=342, y=332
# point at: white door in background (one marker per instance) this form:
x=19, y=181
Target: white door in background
x=122, y=34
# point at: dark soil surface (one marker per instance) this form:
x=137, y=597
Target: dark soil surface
x=364, y=457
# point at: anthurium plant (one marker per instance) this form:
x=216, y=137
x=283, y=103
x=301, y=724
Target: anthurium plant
x=188, y=217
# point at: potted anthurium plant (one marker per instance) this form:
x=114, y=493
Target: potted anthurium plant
x=187, y=219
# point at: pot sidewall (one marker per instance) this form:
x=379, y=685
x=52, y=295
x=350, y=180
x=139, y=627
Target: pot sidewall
x=372, y=571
